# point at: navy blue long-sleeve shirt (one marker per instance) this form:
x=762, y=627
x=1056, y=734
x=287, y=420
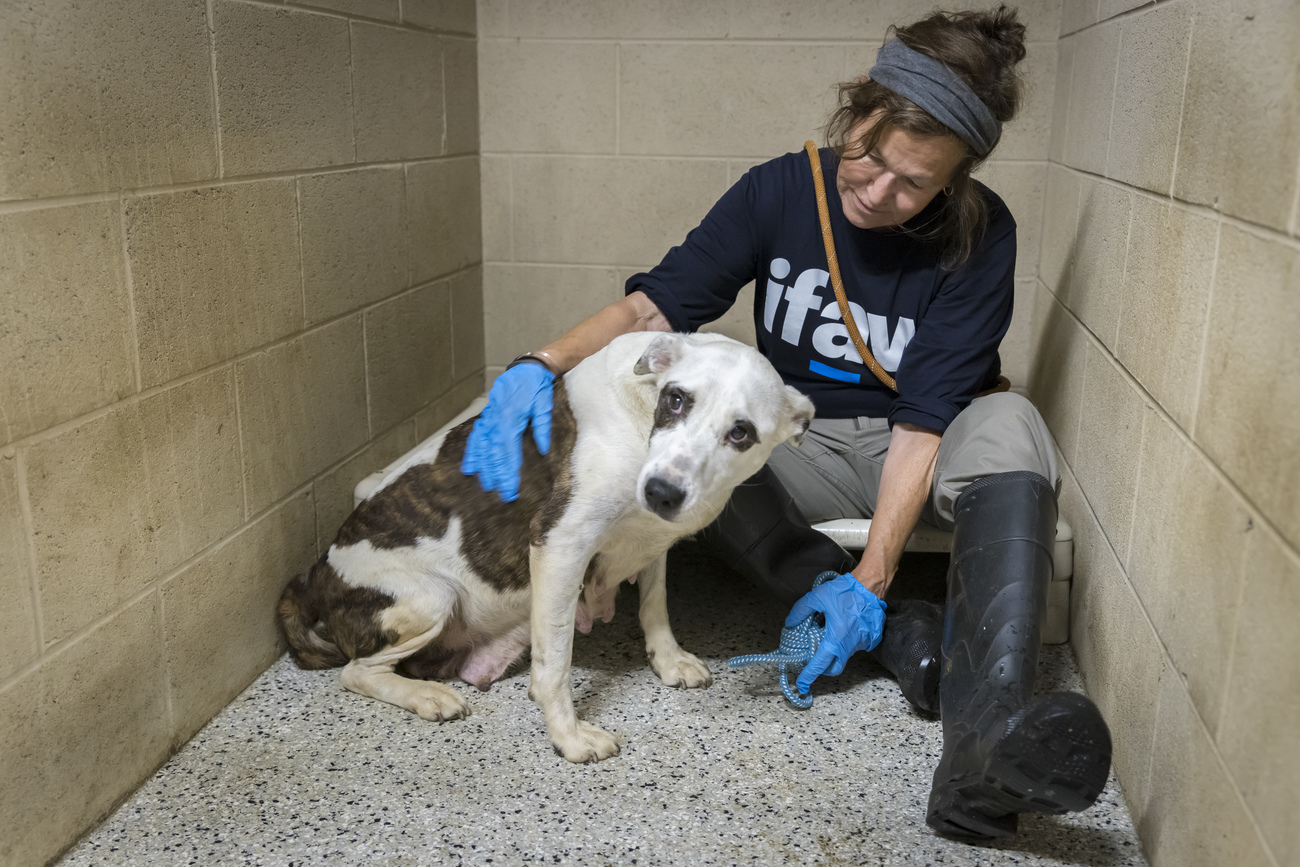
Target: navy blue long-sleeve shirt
x=936, y=331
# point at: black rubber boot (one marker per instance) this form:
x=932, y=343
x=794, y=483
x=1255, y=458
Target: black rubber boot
x=762, y=535
x=1004, y=751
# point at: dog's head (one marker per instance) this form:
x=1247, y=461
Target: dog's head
x=721, y=410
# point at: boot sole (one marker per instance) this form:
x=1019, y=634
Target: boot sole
x=1053, y=758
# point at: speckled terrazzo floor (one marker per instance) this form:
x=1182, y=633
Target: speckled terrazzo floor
x=297, y=771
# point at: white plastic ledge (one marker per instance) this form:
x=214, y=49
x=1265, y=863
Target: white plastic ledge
x=851, y=533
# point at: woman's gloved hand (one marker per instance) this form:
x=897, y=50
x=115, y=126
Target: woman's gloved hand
x=855, y=620
x=494, y=451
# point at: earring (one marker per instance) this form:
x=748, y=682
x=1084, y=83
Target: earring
x=947, y=191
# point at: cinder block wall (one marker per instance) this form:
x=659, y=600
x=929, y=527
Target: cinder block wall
x=239, y=269
x=610, y=128
x=1168, y=369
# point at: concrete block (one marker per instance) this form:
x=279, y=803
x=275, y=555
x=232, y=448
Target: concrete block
x=467, y=322
x=17, y=617
x=1259, y=738
x=498, y=212
x=460, y=94
x=1118, y=651
x=408, y=353
x=302, y=407
x=542, y=96
x=353, y=239
x=866, y=19
x=284, y=86
x=103, y=96
x=386, y=10
x=123, y=499
x=1060, y=352
x=1096, y=292
x=1017, y=346
x=443, y=217
x=593, y=211
x=618, y=19
x=1059, y=244
x=491, y=18
x=215, y=273
x=1188, y=537
x=1166, y=298
x=431, y=419
x=1241, y=121
x=528, y=306
x=1065, y=51
x=397, y=93
x=219, y=614
x=63, y=289
x=1027, y=136
x=457, y=16
x=332, y=491
x=1092, y=86
x=1149, y=97
x=1077, y=14
x=1110, y=442
x=726, y=98
x=1248, y=412
x=1194, y=816
x=81, y=732
x=1021, y=187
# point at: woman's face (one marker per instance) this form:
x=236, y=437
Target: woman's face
x=893, y=183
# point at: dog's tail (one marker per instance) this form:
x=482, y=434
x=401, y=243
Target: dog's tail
x=298, y=616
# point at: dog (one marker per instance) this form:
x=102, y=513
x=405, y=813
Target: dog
x=433, y=578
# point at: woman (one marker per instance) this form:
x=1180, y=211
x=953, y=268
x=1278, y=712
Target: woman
x=928, y=258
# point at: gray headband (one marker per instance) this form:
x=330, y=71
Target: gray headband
x=938, y=90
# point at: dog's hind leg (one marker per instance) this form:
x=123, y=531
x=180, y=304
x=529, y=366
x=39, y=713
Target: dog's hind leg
x=374, y=676
x=556, y=584
x=674, y=666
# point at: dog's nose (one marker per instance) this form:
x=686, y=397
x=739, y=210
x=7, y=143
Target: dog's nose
x=663, y=498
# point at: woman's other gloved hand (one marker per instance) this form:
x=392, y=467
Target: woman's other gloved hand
x=855, y=620
x=494, y=452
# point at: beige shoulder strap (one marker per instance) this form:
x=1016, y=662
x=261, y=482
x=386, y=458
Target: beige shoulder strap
x=833, y=265
x=837, y=283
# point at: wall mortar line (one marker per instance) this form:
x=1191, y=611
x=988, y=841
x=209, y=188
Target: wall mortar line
x=216, y=94
x=29, y=537
x=132, y=327
x=1182, y=104
x=1205, y=329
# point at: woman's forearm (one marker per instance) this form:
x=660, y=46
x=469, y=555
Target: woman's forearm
x=904, y=488
x=636, y=312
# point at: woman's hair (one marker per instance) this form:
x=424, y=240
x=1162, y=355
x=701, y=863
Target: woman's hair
x=981, y=47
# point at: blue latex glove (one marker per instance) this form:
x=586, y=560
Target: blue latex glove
x=494, y=451
x=855, y=620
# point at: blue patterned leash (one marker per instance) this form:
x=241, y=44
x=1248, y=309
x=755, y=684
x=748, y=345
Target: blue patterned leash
x=798, y=644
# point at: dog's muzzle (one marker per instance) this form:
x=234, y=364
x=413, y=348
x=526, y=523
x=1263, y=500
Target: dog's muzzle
x=663, y=498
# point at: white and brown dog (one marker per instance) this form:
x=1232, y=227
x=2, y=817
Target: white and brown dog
x=434, y=578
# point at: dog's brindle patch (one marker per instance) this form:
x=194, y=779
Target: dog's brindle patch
x=664, y=415
x=349, y=614
x=495, y=535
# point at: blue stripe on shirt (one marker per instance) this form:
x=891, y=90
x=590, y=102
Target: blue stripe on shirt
x=832, y=372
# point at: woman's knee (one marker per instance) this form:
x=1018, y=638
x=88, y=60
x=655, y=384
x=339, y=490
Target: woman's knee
x=1000, y=433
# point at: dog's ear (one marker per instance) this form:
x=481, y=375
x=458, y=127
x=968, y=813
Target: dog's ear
x=801, y=411
x=661, y=354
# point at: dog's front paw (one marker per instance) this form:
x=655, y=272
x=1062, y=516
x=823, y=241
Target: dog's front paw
x=588, y=744
x=438, y=703
x=681, y=669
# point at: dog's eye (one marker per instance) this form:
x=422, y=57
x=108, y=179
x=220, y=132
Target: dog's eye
x=675, y=402
x=739, y=434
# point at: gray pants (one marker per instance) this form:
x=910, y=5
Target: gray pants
x=835, y=473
